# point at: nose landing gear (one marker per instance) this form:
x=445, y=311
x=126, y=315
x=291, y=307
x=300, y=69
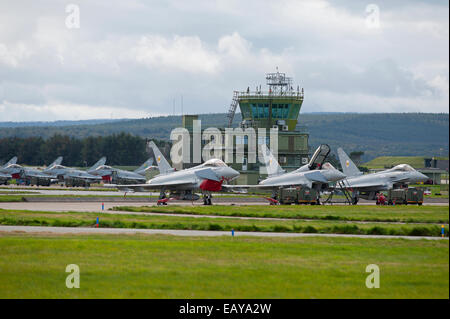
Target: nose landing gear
x=207, y=198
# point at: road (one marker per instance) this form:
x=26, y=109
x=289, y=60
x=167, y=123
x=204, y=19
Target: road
x=188, y=233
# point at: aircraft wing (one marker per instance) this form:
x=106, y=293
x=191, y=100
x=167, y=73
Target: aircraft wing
x=244, y=188
x=145, y=187
x=367, y=185
x=316, y=176
x=83, y=177
x=38, y=175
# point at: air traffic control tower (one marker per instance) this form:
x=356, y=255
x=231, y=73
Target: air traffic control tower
x=278, y=108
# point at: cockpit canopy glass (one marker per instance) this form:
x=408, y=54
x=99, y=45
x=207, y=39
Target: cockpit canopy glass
x=403, y=168
x=14, y=166
x=214, y=162
x=103, y=167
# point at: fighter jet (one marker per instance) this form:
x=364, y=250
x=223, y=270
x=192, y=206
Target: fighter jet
x=31, y=175
x=316, y=174
x=120, y=176
x=4, y=177
x=207, y=178
x=73, y=176
x=367, y=186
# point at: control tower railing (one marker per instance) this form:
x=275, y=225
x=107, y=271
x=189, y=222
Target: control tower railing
x=258, y=95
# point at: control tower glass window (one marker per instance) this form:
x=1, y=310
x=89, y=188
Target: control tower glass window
x=255, y=111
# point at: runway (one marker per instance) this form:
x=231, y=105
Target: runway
x=187, y=233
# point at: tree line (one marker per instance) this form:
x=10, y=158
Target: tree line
x=119, y=149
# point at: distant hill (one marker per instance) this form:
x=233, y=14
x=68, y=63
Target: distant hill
x=389, y=161
x=56, y=123
x=378, y=134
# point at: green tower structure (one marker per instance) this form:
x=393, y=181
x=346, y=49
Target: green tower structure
x=280, y=106
x=277, y=108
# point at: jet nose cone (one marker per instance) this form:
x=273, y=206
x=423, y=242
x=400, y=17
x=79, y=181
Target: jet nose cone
x=335, y=175
x=232, y=173
x=339, y=175
x=422, y=177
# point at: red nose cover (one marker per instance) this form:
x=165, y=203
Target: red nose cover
x=106, y=178
x=15, y=176
x=210, y=185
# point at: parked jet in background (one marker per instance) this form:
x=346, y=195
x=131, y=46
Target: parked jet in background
x=367, y=186
x=72, y=176
x=120, y=176
x=5, y=177
x=31, y=175
x=207, y=178
x=11, y=161
x=148, y=165
x=316, y=174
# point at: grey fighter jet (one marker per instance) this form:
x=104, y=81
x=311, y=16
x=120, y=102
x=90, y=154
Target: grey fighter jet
x=368, y=185
x=207, y=178
x=316, y=174
x=72, y=176
x=5, y=177
x=120, y=176
x=31, y=175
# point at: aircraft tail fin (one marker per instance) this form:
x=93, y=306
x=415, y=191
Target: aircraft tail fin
x=11, y=161
x=57, y=161
x=272, y=165
x=163, y=164
x=348, y=167
x=100, y=162
x=143, y=167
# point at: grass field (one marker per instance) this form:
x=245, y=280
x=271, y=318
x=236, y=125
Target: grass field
x=437, y=191
x=420, y=214
x=86, y=219
x=178, y=267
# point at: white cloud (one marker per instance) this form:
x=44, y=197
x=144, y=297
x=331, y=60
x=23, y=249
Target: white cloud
x=136, y=57
x=183, y=53
x=61, y=111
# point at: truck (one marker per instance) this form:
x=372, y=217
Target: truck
x=297, y=195
x=405, y=196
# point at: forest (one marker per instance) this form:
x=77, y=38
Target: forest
x=119, y=149
x=123, y=141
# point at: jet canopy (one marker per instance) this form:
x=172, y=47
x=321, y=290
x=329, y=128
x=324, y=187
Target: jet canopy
x=403, y=168
x=214, y=162
x=103, y=167
x=13, y=166
x=58, y=167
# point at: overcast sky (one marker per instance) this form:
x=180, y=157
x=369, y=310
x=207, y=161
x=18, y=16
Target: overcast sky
x=131, y=59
